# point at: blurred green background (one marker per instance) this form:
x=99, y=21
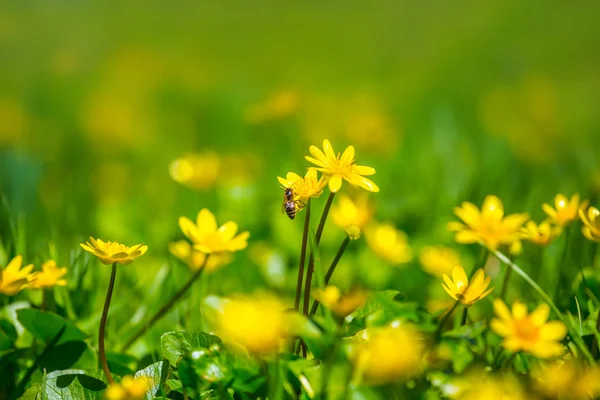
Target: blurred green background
x=448, y=101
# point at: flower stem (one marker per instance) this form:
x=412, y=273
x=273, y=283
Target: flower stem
x=465, y=313
x=445, y=318
x=334, y=264
x=168, y=305
x=507, y=274
x=311, y=261
x=101, y=332
x=302, y=256
x=574, y=336
x=480, y=263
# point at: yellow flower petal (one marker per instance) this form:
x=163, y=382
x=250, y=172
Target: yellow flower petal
x=205, y=223
x=317, y=153
x=189, y=229
x=492, y=207
x=364, y=170
x=348, y=155
x=460, y=278
x=519, y=310
x=553, y=330
x=540, y=315
x=328, y=149
x=335, y=183
x=501, y=310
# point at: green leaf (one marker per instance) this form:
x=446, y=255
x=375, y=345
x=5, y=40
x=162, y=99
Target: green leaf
x=8, y=334
x=33, y=393
x=74, y=384
x=121, y=364
x=62, y=356
x=467, y=331
x=45, y=325
x=179, y=343
x=375, y=302
x=154, y=375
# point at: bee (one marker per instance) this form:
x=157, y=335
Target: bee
x=290, y=205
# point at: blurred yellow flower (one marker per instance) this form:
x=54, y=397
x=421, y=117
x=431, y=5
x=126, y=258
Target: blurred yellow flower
x=15, y=121
x=480, y=384
x=515, y=248
x=208, y=238
x=566, y=379
x=196, y=171
x=338, y=167
x=346, y=212
x=566, y=210
x=438, y=260
x=112, y=252
x=341, y=304
x=13, y=278
x=388, y=354
x=542, y=234
x=50, y=276
x=194, y=258
x=468, y=293
x=487, y=226
x=388, y=243
x=130, y=388
x=530, y=333
x=591, y=223
x=304, y=188
x=279, y=105
x=256, y=323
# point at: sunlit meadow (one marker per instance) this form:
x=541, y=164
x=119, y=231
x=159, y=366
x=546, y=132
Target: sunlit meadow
x=299, y=201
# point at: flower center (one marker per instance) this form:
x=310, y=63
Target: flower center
x=340, y=167
x=526, y=330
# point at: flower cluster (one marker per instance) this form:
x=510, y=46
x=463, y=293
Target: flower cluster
x=16, y=277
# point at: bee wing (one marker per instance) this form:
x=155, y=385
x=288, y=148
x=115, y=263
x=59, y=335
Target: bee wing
x=283, y=206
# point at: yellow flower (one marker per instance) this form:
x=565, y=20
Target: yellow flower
x=196, y=171
x=489, y=226
x=338, y=167
x=13, y=278
x=438, y=260
x=346, y=212
x=591, y=223
x=530, y=333
x=208, y=238
x=194, y=258
x=279, y=105
x=566, y=379
x=542, y=234
x=479, y=384
x=341, y=304
x=467, y=293
x=130, y=388
x=388, y=354
x=50, y=276
x=388, y=243
x=304, y=188
x=112, y=252
x=566, y=210
x=254, y=323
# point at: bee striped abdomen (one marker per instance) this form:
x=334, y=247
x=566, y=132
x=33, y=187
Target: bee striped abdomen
x=290, y=209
